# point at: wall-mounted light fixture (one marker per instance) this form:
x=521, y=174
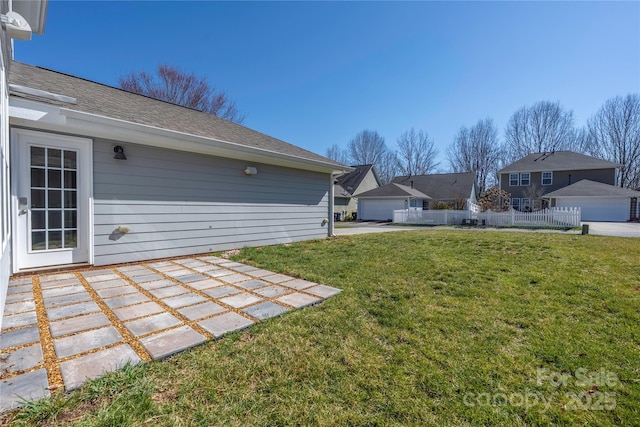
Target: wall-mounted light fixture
x=250, y=170
x=119, y=153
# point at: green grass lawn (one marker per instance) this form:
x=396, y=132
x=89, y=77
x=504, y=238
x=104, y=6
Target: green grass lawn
x=432, y=328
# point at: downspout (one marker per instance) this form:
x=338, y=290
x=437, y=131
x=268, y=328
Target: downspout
x=331, y=205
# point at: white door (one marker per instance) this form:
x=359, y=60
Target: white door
x=379, y=209
x=51, y=189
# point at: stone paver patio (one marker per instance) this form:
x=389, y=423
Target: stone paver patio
x=61, y=329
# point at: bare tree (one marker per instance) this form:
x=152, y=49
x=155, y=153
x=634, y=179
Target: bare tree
x=415, y=153
x=534, y=193
x=337, y=154
x=387, y=167
x=476, y=149
x=179, y=87
x=614, y=134
x=367, y=148
x=543, y=127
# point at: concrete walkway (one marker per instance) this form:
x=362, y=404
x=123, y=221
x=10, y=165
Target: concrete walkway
x=64, y=328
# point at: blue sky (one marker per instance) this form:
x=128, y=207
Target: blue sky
x=316, y=73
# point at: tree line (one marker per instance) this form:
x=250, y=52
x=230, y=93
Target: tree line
x=612, y=133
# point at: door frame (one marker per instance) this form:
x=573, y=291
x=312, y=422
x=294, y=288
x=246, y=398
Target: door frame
x=85, y=177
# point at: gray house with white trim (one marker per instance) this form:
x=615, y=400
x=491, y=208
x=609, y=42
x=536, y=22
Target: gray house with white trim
x=102, y=176
x=568, y=179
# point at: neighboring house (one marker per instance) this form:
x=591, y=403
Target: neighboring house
x=533, y=179
x=420, y=191
x=102, y=176
x=362, y=178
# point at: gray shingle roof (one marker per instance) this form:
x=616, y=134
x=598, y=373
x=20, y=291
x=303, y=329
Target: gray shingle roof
x=394, y=190
x=103, y=100
x=349, y=182
x=588, y=188
x=557, y=161
x=443, y=186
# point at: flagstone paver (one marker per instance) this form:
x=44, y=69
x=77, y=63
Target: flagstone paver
x=72, y=310
x=66, y=299
x=252, y=284
x=191, y=278
x=22, y=319
x=265, y=310
x=78, y=324
x=272, y=291
x=277, y=278
x=126, y=300
x=228, y=322
x=298, y=284
x=19, y=337
x=169, y=291
x=30, y=386
x=139, y=310
x=19, y=307
x=221, y=291
x=99, y=320
x=241, y=300
x=86, y=341
x=200, y=311
x=183, y=300
x=205, y=284
x=76, y=371
x=22, y=359
x=170, y=342
x=154, y=323
x=117, y=291
x=323, y=291
x=108, y=284
x=298, y=300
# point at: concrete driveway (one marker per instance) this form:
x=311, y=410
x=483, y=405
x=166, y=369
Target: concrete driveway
x=622, y=229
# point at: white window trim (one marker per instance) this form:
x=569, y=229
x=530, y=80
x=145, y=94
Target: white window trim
x=525, y=173
x=524, y=205
x=542, y=178
x=517, y=179
x=513, y=199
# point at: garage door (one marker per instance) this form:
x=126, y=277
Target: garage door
x=599, y=209
x=378, y=209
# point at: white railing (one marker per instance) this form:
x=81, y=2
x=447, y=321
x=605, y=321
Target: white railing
x=552, y=217
x=435, y=217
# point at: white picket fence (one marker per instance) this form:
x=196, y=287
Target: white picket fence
x=552, y=217
x=434, y=217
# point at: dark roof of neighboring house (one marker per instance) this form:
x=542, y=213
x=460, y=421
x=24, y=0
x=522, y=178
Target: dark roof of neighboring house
x=394, y=190
x=99, y=99
x=556, y=161
x=442, y=186
x=348, y=183
x=588, y=188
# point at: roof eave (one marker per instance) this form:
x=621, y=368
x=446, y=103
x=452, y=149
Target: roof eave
x=68, y=120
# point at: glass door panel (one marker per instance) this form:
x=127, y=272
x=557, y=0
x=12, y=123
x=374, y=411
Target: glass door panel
x=53, y=199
